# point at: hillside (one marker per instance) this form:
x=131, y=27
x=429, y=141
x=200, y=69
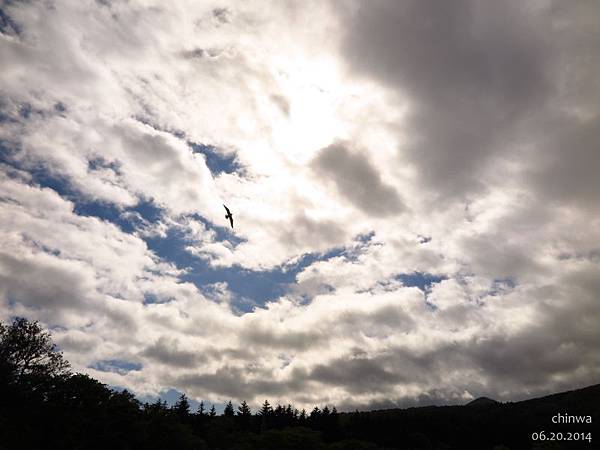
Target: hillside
x=482, y=424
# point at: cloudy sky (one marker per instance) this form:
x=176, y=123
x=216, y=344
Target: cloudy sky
x=415, y=188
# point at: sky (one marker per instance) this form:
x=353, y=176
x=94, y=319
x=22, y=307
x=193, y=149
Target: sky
x=414, y=187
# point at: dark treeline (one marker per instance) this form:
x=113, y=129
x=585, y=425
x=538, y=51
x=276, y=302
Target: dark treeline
x=43, y=405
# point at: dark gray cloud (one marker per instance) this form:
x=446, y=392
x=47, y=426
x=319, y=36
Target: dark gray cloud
x=357, y=180
x=384, y=318
x=555, y=354
x=302, y=228
x=282, y=103
x=166, y=351
x=290, y=340
x=556, y=351
x=486, y=79
x=470, y=71
x=76, y=341
x=565, y=162
x=46, y=282
x=356, y=374
x=238, y=383
x=222, y=15
x=569, y=162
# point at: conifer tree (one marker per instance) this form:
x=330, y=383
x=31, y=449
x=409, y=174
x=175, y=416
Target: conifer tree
x=302, y=415
x=229, y=411
x=265, y=414
x=244, y=410
x=182, y=407
x=266, y=409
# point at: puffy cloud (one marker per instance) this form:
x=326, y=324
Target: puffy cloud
x=166, y=351
x=452, y=144
x=469, y=72
x=357, y=180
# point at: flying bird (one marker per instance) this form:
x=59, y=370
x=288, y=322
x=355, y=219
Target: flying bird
x=229, y=215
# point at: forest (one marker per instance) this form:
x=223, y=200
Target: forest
x=44, y=405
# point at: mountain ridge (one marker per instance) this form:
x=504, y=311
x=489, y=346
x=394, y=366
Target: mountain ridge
x=483, y=424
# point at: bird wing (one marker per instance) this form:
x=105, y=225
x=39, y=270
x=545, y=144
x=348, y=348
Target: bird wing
x=227, y=209
x=231, y=220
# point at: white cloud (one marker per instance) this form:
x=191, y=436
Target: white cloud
x=468, y=152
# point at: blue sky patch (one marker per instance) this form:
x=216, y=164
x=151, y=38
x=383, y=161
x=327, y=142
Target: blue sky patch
x=41, y=176
x=7, y=25
x=223, y=233
x=421, y=280
x=250, y=288
x=216, y=161
x=116, y=365
x=172, y=395
x=501, y=286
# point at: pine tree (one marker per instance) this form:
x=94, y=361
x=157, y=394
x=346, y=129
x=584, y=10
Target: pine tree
x=201, y=411
x=244, y=416
x=289, y=411
x=315, y=418
x=182, y=407
x=265, y=413
x=302, y=418
x=279, y=411
x=265, y=410
x=244, y=410
x=315, y=413
x=229, y=411
x=212, y=412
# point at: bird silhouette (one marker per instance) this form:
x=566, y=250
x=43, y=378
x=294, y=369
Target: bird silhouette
x=229, y=215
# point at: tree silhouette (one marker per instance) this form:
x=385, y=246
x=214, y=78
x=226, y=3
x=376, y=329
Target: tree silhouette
x=302, y=419
x=181, y=408
x=244, y=415
x=315, y=417
x=244, y=410
x=201, y=411
x=266, y=409
x=229, y=411
x=265, y=413
x=27, y=352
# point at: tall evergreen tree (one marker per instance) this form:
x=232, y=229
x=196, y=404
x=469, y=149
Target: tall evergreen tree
x=315, y=418
x=201, y=411
x=182, y=407
x=265, y=409
x=244, y=416
x=265, y=413
x=302, y=418
x=244, y=409
x=229, y=411
x=315, y=413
